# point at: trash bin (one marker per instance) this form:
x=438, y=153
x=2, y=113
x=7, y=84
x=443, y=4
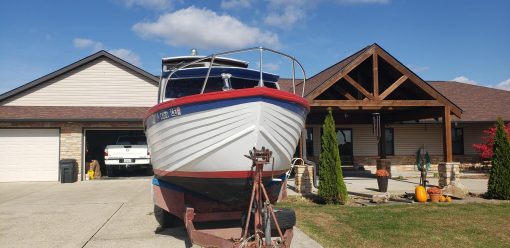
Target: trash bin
x=68, y=170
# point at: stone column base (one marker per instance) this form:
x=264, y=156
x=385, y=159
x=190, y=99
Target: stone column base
x=303, y=180
x=448, y=173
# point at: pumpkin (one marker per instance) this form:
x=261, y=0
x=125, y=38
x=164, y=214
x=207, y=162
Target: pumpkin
x=448, y=199
x=442, y=199
x=420, y=194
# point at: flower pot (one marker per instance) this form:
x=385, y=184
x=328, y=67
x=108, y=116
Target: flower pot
x=382, y=182
x=435, y=197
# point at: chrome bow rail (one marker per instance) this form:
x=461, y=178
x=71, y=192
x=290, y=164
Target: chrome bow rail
x=214, y=56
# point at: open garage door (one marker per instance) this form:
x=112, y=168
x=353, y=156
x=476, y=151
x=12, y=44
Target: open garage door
x=29, y=155
x=97, y=139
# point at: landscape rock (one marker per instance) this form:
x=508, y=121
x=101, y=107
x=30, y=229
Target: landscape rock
x=381, y=198
x=456, y=189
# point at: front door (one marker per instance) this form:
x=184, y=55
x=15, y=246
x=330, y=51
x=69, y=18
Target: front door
x=344, y=142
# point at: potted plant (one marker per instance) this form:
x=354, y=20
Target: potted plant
x=434, y=194
x=382, y=179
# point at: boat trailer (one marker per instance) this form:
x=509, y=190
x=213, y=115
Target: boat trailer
x=260, y=214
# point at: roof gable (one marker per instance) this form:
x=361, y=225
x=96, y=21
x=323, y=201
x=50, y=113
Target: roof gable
x=374, y=78
x=76, y=65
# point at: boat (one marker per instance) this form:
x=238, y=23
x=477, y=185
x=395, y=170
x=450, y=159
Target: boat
x=211, y=111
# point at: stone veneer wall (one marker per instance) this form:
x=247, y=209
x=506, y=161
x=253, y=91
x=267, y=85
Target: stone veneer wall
x=71, y=135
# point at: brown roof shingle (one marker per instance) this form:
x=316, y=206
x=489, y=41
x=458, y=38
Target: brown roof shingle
x=478, y=103
x=64, y=113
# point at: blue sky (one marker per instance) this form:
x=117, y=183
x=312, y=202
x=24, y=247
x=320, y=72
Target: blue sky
x=467, y=41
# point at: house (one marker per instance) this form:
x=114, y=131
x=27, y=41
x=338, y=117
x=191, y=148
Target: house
x=71, y=114
x=75, y=111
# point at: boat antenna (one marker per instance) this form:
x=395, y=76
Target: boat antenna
x=194, y=52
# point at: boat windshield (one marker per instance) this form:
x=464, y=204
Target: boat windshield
x=190, y=86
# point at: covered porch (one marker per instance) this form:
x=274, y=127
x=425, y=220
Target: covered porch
x=382, y=111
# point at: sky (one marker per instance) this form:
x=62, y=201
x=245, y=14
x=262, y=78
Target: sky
x=466, y=41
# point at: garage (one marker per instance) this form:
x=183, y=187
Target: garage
x=96, y=141
x=74, y=113
x=29, y=154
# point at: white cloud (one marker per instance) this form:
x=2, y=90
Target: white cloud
x=87, y=43
x=127, y=55
x=285, y=13
x=363, y=1
x=203, y=28
x=149, y=4
x=464, y=79
x=505, y=85
x=95, y=46
x=232, y=4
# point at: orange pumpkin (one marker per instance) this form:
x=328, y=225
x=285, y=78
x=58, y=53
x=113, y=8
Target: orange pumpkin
x=442, y=199
x=448, y=199
x=420, y=194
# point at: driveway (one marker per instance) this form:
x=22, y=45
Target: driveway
x=101, y=213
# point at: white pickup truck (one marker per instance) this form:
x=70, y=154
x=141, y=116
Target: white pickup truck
x=130, y=152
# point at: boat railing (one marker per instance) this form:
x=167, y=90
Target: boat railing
x=212, y=57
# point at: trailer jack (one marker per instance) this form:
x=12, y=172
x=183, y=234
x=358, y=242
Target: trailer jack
x=259, y=208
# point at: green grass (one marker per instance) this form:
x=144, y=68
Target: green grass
x=430, y=225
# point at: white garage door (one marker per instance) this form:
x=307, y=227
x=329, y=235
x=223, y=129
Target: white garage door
x=29, y=155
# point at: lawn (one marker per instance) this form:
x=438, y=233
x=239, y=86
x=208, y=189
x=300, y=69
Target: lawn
x=412, y=225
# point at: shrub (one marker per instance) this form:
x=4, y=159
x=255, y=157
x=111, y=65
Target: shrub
x=485, y=148
x=499, y=180
x=331, y=187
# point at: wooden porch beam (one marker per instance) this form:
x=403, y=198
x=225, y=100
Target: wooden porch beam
x=375, y=72
x=342, y=91
x=393, y=87
x=375, y=103
x=447, y=135
x=358, y=87
x=419, y=82
x=339, y=75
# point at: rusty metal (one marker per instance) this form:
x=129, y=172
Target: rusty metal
x=238, y=237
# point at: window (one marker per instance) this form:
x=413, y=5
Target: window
x=457, y=141
x=309, y=142
x=390, y=141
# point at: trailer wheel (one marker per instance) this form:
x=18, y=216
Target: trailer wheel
x=164, y=218
x=286, y=220
x=110, y=171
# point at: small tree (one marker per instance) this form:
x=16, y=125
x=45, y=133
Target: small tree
x=331, y=187
x=485, y=148
x=499, y=181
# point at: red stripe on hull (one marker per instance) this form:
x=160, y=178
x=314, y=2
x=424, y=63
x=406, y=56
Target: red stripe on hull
x=216, y=174
x=221, y=95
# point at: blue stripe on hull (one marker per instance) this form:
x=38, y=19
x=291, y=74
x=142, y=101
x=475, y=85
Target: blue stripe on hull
x=177, y=111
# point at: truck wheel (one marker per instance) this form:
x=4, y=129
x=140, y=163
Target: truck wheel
x=164, y=218
x=110, y=171
x=286, y=219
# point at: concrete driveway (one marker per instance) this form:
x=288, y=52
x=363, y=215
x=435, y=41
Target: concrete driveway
x=101, y=213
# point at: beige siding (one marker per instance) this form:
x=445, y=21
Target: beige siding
x=101, y=83
x=364, y=143
x=473, y=134
x=410, y=137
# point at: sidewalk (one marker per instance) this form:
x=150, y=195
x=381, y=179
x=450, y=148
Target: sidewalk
x=368, y=185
